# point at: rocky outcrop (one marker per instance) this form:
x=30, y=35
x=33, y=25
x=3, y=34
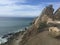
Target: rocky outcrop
x=33, y=30
x=57, y=14
x=48, y=10
x=46, y=15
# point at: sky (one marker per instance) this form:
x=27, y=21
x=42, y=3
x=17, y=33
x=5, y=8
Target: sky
x=25, y=8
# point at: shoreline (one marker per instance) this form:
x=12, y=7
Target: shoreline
x=9, y=36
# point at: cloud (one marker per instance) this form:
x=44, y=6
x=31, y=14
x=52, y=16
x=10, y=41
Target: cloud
x=22, y=10
x=56, y=5
x=10, y=8
x=27, y=10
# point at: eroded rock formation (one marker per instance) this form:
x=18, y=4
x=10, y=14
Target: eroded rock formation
x=57, y=14
x=32, y=31
x=46, y=15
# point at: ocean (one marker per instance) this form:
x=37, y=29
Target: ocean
x=12, y=24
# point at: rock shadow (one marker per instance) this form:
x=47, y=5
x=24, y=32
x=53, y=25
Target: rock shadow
x=58, y=37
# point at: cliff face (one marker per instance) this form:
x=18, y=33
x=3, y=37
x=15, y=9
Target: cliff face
x=46, y=14
x=31, y=37
x=57, y=14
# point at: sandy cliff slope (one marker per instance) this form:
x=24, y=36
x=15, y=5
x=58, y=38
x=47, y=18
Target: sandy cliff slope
x=43, y=38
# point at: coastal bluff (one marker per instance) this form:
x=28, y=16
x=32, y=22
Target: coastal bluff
x=38, y=32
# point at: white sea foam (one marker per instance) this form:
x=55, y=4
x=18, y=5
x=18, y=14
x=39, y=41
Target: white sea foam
x=2, y=40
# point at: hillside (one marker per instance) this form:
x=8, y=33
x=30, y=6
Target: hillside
x=39, y=34
x=43, y=39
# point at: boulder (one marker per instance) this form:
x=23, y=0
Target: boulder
x=54, y=31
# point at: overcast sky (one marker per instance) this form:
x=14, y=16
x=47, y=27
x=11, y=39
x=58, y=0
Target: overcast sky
x=23, y=8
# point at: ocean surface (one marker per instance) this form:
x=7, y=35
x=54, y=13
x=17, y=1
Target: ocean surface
x=12, y=24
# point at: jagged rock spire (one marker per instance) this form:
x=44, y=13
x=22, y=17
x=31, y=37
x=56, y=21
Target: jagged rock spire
x=57, y=14
x=46, y=13
x=48, y=10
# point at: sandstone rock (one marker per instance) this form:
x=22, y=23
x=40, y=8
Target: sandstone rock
x=45, y=15
x=48, y=10
x=43, y=18
x=54, y=31
x=57, y=14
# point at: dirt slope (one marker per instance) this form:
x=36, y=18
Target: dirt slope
x=43, y=38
